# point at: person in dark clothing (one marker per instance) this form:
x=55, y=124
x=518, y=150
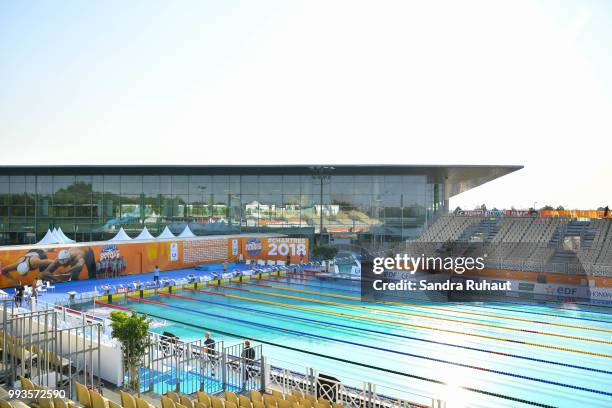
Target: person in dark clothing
x=19, y=295
x=209, y=345
x=248, y=355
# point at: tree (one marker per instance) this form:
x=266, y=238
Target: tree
x=132, y=331
x=324, y=252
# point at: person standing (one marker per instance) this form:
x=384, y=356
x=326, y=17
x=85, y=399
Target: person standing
x=156, y=273
x=209, y=348
x=248, y=356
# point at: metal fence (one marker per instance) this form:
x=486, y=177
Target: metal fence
x=181, y=366
x=36, y=346
x=243, y=368
x=360, y=394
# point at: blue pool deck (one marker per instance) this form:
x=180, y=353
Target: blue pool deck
x=61, y=290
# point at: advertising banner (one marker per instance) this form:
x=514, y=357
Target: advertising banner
x=284, y=249
x=59, y=263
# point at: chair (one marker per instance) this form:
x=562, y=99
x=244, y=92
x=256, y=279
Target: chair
x=83, y=397
x=311, y=398
x=216, y=402
x=127, y=400
x=166, y=402
x=284, y=403
x=203, y=398
x=59, y=403
x=44, y=402
x=59, y=362
x=198, y=404
x=231, y=397
x=278, y=395
x=292, y=398
x=244, y=402
x=112, y=404
x=49, y=286
x=97, y=401
x=255, y=396
x=229, y=404
x=173, y=396
x=319, y=405
x=306, y=403
x=325, y=402
x=141, y=403
x=258, y=404
x=26, y=384
x=269, y=401
x=186, y=401
x=337, y=405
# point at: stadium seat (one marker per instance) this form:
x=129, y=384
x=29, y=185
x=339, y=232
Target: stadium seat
x=255, y=396
x=269, y=401
x=204, y=398
x=141, y=403
x=244, y=402
x=324, y=402
x=127, y=400
x=97, y=401
x=216, y=402
x=231, y=397
x=83, y=397
x=185, y=401
x=173, y=396
x=166, y=402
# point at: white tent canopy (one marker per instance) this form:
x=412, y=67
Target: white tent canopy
x=63, y=237
x=166, y=234
x=49, y=238
x=56, y=236
x=187, y=233
x=145, y=234
x=121, y=236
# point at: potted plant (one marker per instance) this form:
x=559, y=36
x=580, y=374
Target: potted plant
x=132, y=331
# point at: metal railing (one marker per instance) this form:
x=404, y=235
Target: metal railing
x=35, y=346
x=357, y=394
x=171, y=364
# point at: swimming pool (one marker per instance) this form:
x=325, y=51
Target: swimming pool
x=485, y=355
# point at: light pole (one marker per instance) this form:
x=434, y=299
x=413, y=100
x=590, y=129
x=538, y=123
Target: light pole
x=202, y=189
x=321, y=173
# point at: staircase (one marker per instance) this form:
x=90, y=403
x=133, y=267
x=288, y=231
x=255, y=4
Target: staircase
x=571, y=229
x=484, y=231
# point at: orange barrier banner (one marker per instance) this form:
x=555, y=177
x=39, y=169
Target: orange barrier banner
x=22, y=265
x=576, y=213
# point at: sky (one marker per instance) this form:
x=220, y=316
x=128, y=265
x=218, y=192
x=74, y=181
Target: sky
x=318, y=82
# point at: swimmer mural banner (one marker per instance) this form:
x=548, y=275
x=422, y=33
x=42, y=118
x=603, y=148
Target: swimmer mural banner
x=60, y=263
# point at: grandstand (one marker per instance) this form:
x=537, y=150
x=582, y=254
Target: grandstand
x=530, y=243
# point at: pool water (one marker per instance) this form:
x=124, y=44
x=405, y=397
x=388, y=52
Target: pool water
x=477, y=355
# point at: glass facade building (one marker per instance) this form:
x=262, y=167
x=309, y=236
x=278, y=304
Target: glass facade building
x=339, y=204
